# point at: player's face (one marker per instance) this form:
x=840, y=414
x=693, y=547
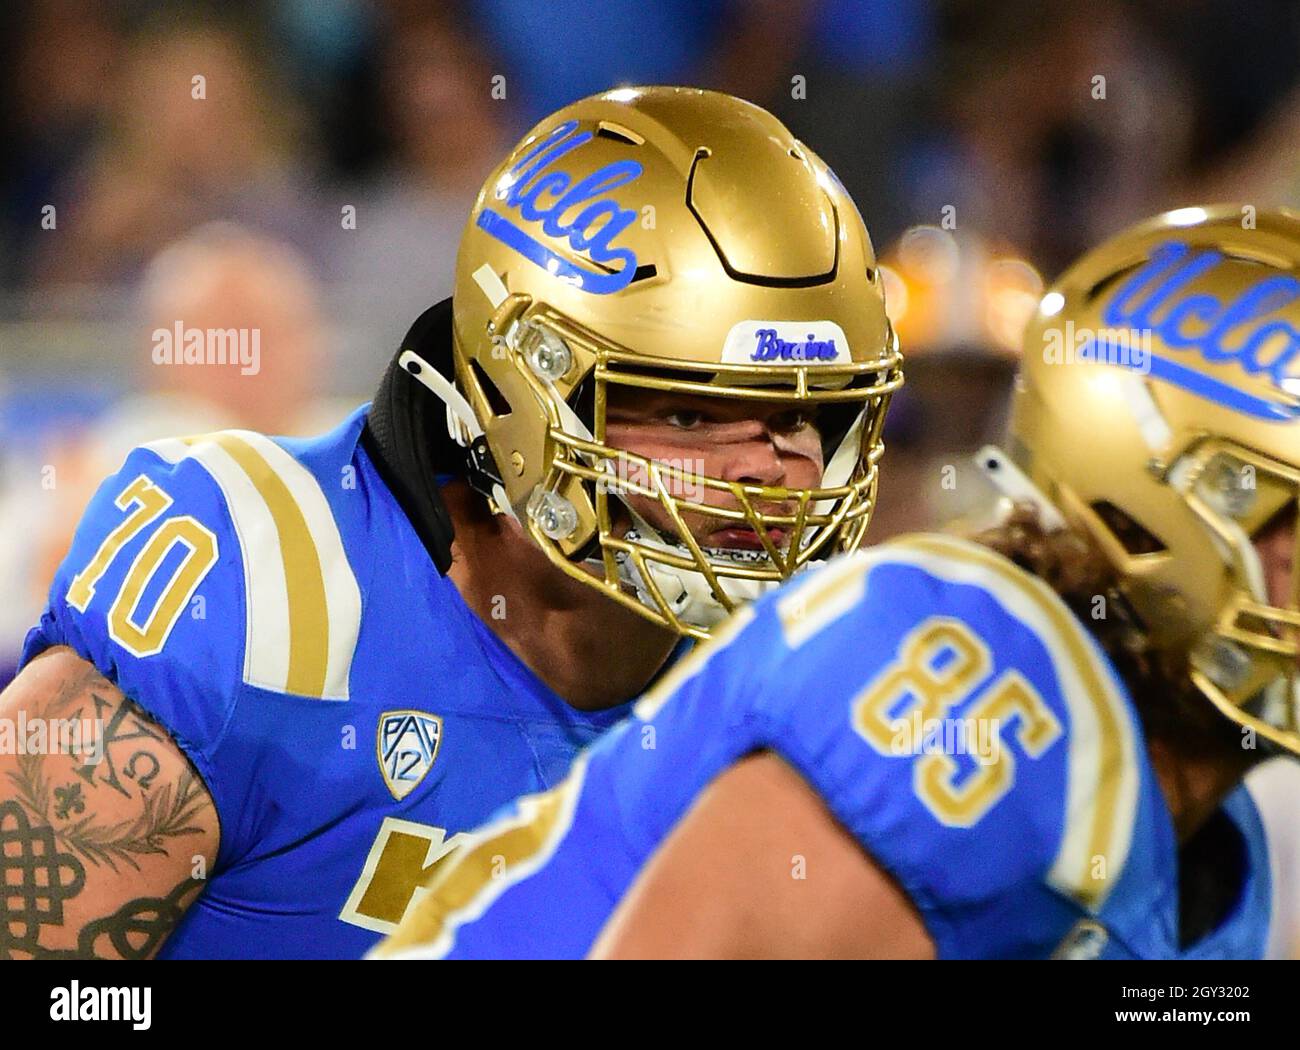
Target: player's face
x=1276, y=546
x=758, y=443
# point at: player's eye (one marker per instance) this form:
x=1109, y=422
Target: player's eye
x=791, y=422
x=684, y=418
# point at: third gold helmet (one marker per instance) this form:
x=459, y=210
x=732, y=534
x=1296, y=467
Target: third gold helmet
x=1158, y=409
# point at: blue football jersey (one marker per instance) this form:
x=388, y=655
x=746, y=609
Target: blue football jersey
x=956, y=719
x=268, y=602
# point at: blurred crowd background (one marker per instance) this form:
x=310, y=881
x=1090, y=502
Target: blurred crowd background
x=981, y=147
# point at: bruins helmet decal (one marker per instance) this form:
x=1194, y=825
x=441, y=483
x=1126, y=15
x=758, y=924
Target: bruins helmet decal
x=666, y=239
x=1158, y=409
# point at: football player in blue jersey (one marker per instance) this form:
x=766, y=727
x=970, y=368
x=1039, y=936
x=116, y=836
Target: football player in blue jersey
x=1028, y=742
x=307, y=666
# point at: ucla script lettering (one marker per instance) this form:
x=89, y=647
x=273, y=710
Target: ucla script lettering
x=1240, y=331
x=540, y=193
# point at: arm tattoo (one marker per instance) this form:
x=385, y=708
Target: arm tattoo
x=114, y=733
x=166, y=814
x=36, y=880
x=54, y=833
x=136, y=930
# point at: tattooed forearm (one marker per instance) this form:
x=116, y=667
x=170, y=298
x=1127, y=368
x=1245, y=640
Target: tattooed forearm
x=135, y=931
x=91, y=849
x=38, y=879
x=166, y=813
x=30, y=786
x=165, y=816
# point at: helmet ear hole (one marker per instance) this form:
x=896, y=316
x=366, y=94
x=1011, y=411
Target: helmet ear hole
x=1285, y=517
x=833, y=423
x=491, y=392
x=1135, y=538
x=583, y=402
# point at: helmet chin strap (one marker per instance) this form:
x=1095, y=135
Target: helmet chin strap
x=461, y=422
x=1014, y=484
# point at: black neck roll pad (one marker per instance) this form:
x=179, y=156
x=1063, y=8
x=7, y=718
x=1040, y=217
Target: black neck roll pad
x=406, y=434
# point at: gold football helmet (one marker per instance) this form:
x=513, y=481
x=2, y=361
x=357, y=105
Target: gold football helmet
x=665, y=239
x=1158, y=409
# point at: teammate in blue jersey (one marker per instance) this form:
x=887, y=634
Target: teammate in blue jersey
x=1026, y=743
x=309, y=666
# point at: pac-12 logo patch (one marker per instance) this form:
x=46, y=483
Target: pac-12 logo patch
x=407, y=744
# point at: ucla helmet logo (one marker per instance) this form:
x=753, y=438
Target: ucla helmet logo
x=591, y=230
x=1243, y=329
